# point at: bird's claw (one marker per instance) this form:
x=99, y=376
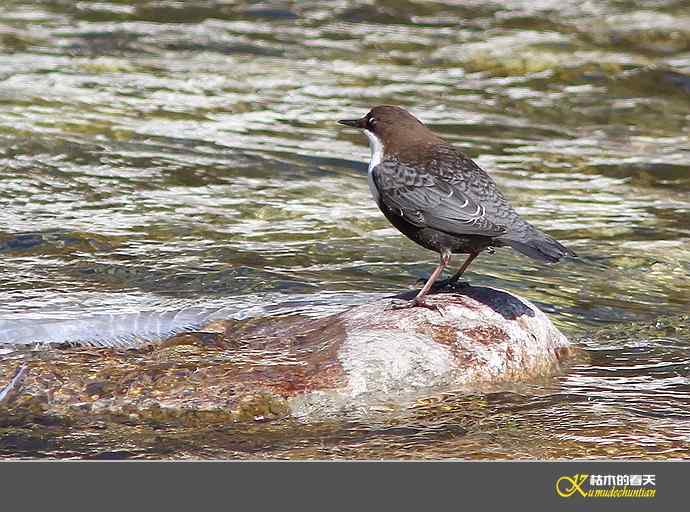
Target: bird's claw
x=396, y=304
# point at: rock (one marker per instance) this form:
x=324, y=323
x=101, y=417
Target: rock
x=367, y=358
x=478, y=337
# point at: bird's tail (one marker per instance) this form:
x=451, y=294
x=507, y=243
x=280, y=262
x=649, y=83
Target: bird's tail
x=533, y=243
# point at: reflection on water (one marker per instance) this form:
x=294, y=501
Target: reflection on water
x=161, y=153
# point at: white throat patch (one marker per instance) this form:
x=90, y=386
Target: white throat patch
x=376, y=156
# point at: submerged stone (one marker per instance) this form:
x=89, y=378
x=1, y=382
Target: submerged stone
x=367, y=358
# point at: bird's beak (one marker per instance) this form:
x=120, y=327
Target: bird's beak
x=355, y=123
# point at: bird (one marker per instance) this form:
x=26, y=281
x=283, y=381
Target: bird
x=440, y=198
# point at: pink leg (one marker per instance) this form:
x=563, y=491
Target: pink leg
x=445, y=259
x=467, y=263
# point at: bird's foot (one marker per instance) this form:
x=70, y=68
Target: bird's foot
x=396, y=304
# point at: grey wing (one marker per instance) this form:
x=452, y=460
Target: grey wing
x=427, y=200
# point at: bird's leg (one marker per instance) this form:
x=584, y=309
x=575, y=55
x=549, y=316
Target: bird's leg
x=451, y=281
x=467, y=263
x=445, y=259
x=419, y=299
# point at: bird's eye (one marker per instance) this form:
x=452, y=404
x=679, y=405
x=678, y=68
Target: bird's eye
x=371, y=123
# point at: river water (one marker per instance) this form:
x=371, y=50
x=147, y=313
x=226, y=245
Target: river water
x=164, y=154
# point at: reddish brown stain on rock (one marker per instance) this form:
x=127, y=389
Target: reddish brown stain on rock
x=448, y=336
x=312, y=342
x=486, y=334
x=443, y=334
x=562, y=353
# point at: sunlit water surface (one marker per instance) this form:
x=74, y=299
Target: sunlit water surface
x=167, y=154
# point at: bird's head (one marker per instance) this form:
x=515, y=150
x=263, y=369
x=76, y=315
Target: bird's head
x=392, y=128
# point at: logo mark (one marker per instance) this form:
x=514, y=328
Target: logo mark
x=617, y=485
x=567, y=486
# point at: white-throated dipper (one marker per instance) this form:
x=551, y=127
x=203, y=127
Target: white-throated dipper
x=440, y=198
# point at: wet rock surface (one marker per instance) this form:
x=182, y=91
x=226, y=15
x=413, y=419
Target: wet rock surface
x=356, y=362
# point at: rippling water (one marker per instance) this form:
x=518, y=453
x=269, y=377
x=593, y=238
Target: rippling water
x=164, y=154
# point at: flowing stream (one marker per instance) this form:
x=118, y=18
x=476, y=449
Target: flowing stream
x=159, y=156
